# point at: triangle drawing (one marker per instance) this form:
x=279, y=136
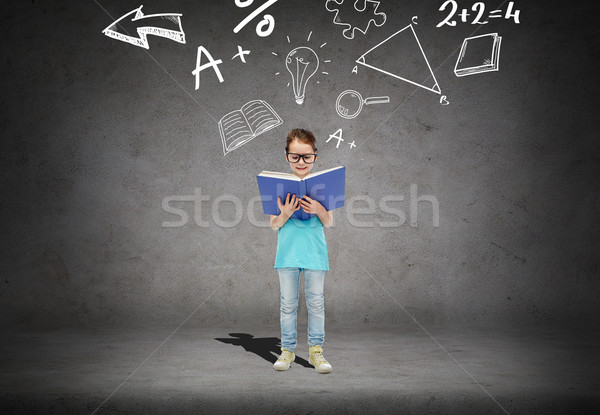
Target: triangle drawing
x=402, y=57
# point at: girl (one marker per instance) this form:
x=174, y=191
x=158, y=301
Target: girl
x=301, y=246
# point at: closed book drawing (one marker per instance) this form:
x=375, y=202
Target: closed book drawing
x=326, y=186
x=240, y=126
x=479, y=54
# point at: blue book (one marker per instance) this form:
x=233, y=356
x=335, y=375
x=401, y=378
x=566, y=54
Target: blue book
x=328, y=187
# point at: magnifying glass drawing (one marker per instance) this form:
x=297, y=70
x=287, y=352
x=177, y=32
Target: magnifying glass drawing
x=349, y=103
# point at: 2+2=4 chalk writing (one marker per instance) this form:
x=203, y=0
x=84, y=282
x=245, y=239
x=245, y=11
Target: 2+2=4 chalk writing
x=478, y=8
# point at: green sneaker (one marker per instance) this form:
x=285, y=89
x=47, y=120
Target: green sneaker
x=285, y=360
x=317, y=360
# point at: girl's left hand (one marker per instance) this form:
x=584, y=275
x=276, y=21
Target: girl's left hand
x=311, y=206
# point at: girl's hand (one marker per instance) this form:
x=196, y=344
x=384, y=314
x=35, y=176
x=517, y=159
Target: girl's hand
x=311, y=206
x=290, y=205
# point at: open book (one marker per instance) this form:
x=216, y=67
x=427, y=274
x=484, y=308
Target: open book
x=240, y=126
x=326, y=186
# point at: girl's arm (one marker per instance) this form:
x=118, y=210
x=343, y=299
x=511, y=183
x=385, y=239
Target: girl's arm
x=278, y=221
x=326, y=217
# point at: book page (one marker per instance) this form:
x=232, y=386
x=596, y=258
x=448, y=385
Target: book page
x=260, y=116
x=322, y=172
x=234, y=127
x=287, y=176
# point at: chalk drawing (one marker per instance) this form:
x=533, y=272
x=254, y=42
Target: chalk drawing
x=479, y=54
x=302, y=63
x=400, y=56
x=478, y=10
x=338, y=136
x=241, y=53
x=367, y=10
x=167, y=25
x=349, y=103
x=211, y=63
x=267, y=19
x=240, y=126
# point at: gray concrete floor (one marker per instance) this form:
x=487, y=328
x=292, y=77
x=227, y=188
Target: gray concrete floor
x=376, y=369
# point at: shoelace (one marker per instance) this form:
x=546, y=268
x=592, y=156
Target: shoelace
x=319, y=359
x=286, y=356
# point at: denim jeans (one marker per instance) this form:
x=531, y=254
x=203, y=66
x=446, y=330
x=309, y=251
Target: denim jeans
x=289, y=284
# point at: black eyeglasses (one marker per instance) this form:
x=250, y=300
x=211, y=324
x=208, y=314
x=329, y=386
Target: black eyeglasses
x=295, y=158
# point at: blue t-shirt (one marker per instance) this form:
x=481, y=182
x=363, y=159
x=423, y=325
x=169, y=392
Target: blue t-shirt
x=301, y=244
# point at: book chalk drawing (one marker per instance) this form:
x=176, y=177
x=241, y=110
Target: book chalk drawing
x=479, y=54
x=240, y=126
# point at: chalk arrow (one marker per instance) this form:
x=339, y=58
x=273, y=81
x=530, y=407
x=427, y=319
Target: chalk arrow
x=165, y=25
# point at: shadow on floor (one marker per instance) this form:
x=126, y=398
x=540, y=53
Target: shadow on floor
x=266, y=347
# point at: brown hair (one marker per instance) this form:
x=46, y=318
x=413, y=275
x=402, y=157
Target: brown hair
x=301, y=135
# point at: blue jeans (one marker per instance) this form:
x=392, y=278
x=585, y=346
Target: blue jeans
x=289, y=284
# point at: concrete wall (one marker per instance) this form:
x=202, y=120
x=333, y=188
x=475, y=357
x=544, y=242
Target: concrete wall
x=97, y=133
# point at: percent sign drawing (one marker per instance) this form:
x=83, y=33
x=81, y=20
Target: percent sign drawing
x=267, y=20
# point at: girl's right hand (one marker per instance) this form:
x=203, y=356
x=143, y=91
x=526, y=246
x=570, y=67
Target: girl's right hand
x=290, y=205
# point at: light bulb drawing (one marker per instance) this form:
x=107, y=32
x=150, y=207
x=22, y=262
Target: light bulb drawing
x=302, y=63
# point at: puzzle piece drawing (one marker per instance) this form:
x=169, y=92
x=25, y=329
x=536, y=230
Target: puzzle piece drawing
x=364, y=12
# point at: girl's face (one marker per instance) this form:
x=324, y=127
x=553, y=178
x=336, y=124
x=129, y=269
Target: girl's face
x=301, y=168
